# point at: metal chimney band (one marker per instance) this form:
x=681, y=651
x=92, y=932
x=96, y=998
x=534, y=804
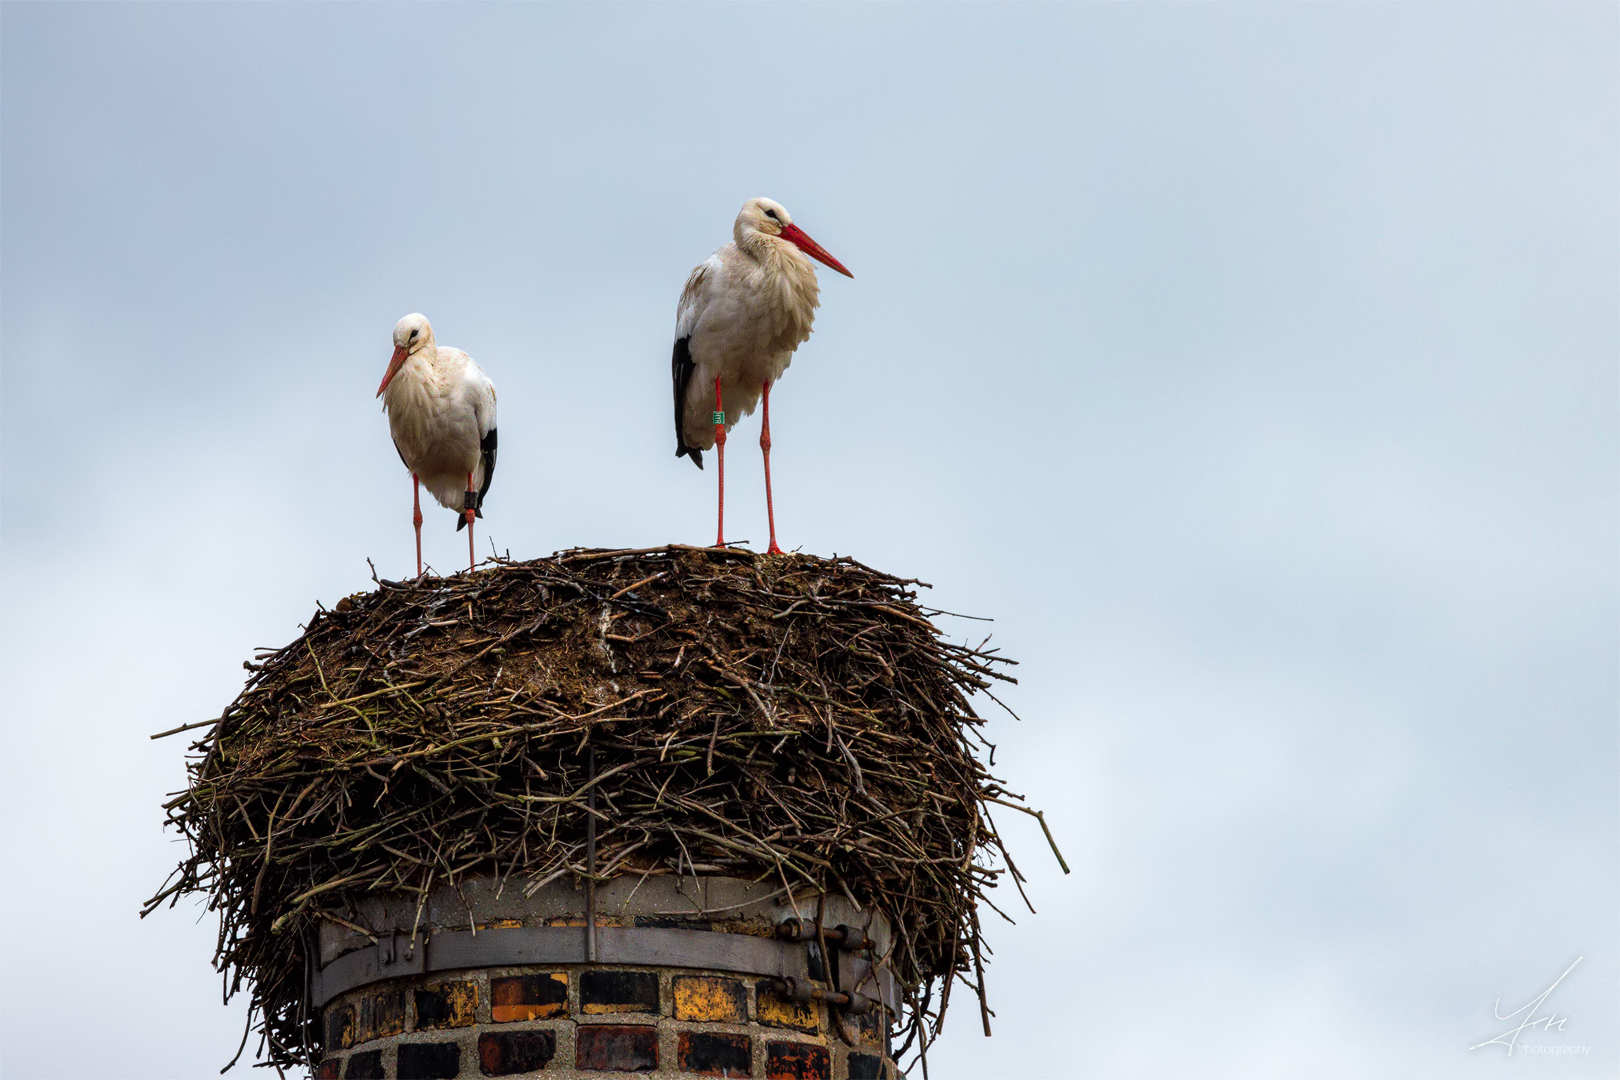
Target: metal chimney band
x=395, y=957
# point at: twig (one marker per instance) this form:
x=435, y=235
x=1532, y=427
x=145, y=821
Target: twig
x=1040, y=817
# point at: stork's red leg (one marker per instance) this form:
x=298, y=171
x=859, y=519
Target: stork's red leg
x=720, y=447
x=471, y=510
x=765, y=448
x=416, y=518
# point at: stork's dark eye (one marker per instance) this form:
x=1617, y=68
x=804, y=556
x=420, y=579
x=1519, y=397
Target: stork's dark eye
x=414, y=333
x=772, y=215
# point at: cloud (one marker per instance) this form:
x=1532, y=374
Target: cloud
x=1252, y=366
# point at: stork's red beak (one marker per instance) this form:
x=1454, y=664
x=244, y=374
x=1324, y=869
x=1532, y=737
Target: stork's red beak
x=393, y=367
x=796, y=235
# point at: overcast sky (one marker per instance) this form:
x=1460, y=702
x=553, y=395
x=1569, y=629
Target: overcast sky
x=1254, y=366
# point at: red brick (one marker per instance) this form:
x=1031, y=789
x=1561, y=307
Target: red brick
x=796, y=1061
x=366, y=1065
x=507, y=1053
x=613, y=1048
x=712, y=1053
x=618, y=992
x=429, y=1061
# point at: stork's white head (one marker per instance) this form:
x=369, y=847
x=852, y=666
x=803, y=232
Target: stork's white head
x=764, y=215
x=410, y=334
x=767, y=217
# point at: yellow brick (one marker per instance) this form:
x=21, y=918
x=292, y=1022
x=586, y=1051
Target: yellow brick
x=529, y=997
x=710, y=998
x=776, y=1012
x=447, y=1005
x=381, y=1014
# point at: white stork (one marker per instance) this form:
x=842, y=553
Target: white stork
x=741, y=315
x=441, y=413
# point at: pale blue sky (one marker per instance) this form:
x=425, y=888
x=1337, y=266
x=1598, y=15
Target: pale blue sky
x=1254, y=366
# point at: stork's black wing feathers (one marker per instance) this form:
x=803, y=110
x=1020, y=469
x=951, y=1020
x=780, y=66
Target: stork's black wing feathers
x=486, y=448
x=680, y=369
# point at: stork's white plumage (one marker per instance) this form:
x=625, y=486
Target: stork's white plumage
x=741, y=315
x=441, y=413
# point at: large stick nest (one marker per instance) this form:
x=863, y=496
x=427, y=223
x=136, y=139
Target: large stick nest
x=788, y=718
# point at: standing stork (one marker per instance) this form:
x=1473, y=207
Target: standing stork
x=741, y=315
x=441, y=413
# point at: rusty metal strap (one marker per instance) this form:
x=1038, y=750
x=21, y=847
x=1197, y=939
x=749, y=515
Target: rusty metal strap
x=394, y=956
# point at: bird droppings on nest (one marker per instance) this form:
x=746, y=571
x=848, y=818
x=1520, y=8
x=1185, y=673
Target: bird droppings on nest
x=783, y=717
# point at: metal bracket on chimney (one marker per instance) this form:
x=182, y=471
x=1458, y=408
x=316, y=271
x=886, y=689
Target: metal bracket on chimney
x=847, y=938
x=398, y=955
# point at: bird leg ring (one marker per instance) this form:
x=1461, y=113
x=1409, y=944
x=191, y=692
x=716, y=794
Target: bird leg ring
x=416, y=518
x=720, y=448
x=765, y=449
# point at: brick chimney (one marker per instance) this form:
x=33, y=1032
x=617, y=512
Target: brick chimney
x=690, y=976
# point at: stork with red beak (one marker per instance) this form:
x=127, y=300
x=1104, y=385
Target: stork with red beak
x=441, y=413
x=741, y=315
